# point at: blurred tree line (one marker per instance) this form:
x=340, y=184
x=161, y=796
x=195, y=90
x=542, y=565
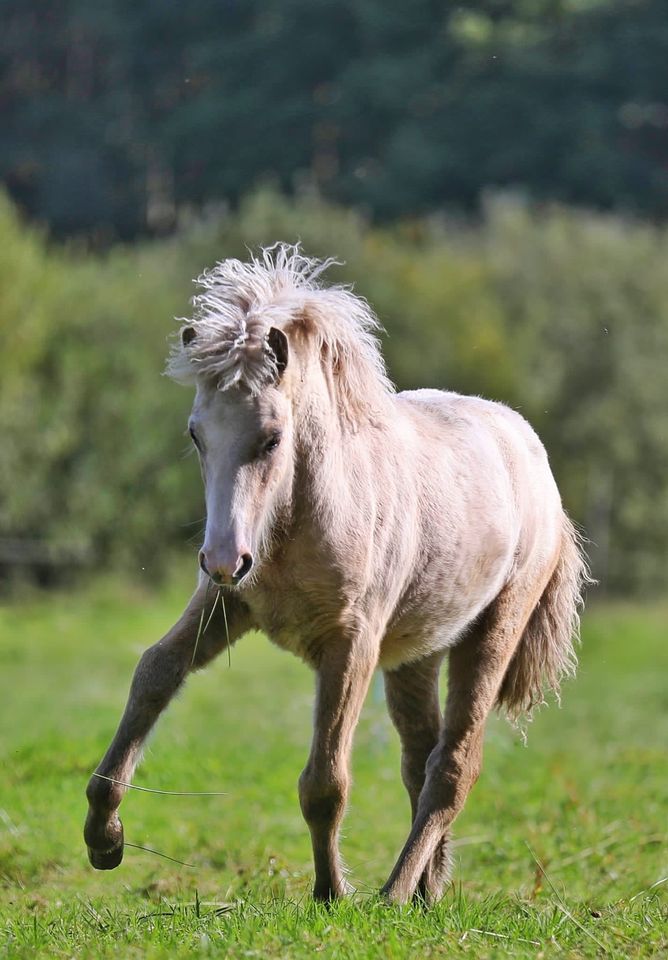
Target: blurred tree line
x=119, y=116
x=564, y=315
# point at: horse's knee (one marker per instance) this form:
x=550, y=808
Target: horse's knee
x=160, y=672
x=322, y=797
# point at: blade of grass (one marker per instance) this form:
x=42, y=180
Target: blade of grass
x=215, y=601
x=503, y=936
x=657, y=883
x=561, y=905
x=166, y=793
x=201, y=621
x=227, y=632
x=138, y=846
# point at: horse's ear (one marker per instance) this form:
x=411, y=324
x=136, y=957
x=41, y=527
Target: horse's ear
x=278, y=344
x=188, y=334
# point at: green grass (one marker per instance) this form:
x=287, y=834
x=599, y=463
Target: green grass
x=588, y=797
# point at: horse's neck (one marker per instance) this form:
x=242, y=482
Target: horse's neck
x=320, y=439
x=329, y=450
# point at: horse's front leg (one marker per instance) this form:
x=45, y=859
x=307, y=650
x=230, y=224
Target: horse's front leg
x=159, y=674
x=343, y=676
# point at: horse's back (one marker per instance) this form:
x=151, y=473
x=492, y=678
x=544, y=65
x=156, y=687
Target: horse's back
x=477, y=433
x=457, y=413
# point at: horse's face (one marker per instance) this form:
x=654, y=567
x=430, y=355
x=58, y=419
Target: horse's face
x=245, y=445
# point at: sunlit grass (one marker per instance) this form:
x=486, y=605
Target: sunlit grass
x=587, y=798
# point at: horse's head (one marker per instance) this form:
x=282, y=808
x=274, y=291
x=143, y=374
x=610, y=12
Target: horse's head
x=244, y=439
x=264, y=342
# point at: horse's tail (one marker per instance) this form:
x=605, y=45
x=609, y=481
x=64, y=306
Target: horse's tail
x=546, y=651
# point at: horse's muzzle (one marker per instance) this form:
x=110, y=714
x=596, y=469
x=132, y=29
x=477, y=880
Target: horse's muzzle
x=226, y=574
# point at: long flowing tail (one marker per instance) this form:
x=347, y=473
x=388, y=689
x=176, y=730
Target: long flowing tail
x=546, y=651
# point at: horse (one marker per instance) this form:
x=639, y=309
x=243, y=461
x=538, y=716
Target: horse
x=359, y=528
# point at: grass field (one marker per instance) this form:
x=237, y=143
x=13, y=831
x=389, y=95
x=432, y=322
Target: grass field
x=587, y=797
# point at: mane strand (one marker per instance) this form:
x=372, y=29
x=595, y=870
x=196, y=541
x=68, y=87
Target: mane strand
x=225, y=341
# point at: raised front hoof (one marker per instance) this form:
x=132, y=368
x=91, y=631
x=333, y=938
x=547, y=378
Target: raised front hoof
x=105, y=859
x=105, y=844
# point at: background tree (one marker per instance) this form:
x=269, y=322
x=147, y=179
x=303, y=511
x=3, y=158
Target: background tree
x=562, y=315
x=118, y=117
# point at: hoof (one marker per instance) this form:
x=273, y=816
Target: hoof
x=394, y=896
x=104, y=843
x=105, y=859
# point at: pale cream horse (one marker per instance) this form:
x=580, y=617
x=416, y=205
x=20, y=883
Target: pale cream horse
x=358, y=528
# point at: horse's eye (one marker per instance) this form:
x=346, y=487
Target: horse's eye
x=271, y=442
x=193, y=437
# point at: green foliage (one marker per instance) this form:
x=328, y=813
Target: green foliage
x=88, y=425
x=118, y=116
x=586, y=306
x=587, y=794
x=562, y=315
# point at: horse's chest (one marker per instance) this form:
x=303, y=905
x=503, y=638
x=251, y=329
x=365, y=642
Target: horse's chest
x=299, y=619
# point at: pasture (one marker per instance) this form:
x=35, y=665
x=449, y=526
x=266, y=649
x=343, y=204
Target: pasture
x=587, y=798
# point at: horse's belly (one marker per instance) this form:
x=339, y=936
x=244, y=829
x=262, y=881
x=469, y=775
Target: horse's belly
x=439, y=608
x=420, y=636
x=400, y=648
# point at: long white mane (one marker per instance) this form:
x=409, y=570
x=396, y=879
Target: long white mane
x=225, y=342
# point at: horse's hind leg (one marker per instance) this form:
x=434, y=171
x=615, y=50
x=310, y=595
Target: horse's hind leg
x=412, y=701
x=477, y=667
x=159, y=674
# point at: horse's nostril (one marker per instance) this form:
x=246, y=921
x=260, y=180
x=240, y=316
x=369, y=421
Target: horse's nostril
x=202, y=563
x=243, y=567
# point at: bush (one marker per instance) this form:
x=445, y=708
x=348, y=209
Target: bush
x=562, y=315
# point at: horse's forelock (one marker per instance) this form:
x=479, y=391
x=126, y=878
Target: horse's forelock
x=239, y=302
